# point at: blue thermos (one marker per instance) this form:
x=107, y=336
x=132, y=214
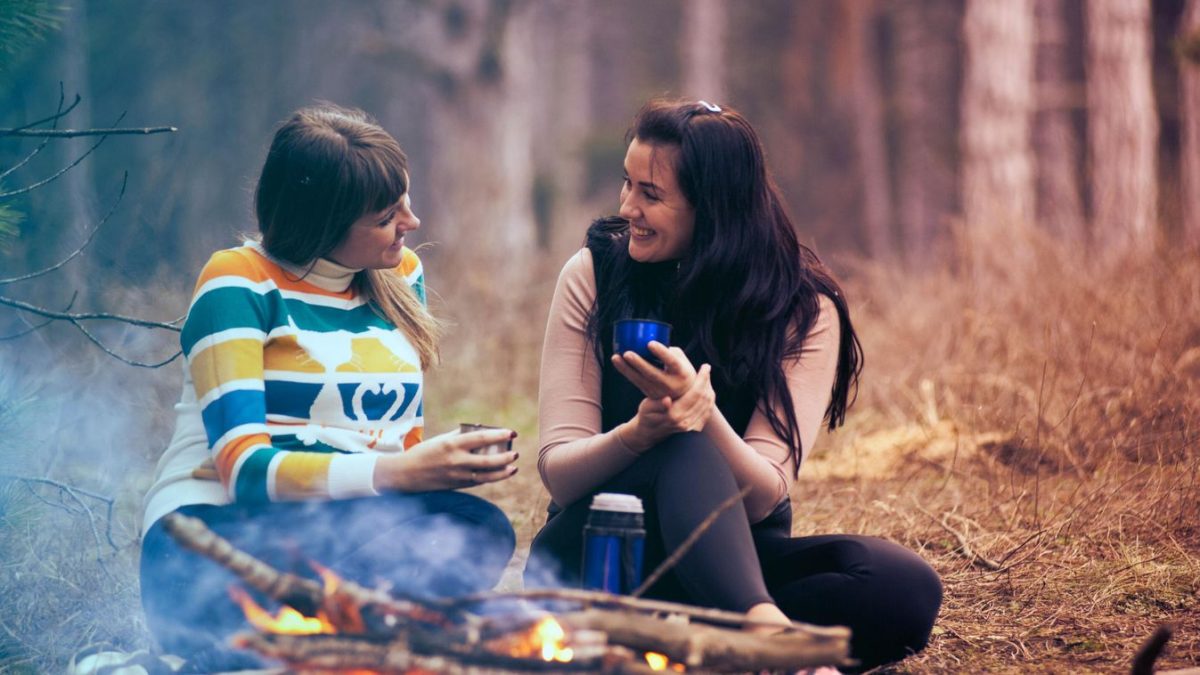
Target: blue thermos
x=614, y=540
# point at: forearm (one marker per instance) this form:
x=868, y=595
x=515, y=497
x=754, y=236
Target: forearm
x=572, y=469
x=767, y=480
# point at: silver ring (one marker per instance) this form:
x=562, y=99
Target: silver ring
x=475, y=477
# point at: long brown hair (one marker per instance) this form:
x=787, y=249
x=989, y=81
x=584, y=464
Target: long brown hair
x=327, y=167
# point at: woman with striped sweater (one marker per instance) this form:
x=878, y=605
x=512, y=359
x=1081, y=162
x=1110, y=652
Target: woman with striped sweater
x=300, y=433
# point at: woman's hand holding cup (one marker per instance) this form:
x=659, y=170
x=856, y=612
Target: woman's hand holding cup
x=658, y=418
x=673, y=380
x=448, y=462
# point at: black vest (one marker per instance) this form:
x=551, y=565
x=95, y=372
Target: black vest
x=608, y=241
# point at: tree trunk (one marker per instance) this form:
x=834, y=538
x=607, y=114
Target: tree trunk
x=997, y=104
x=703, y=47
x=926, y=55
x=564, y=116
x=857, y=21
x=1058, y=66
x=476, y=56
x=1122, y=125
x=1189, y=81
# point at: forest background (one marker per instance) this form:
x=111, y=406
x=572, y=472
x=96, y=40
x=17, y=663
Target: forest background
x=1008, y=188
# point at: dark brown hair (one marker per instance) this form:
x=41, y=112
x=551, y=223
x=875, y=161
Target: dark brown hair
x=327, y=167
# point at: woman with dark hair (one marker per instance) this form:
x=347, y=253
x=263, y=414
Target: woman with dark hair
x=703, y=242
x=300, y=434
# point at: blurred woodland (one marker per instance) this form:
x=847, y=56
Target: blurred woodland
x=1010, y=188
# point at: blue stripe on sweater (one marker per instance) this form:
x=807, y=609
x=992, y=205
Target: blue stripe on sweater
x=232, y=409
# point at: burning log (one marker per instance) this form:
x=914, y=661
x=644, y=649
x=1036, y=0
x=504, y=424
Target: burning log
x=351, y=608
x=378, y=632
x=716, y=649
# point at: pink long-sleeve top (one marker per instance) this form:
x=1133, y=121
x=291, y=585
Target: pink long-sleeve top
x=575, y=456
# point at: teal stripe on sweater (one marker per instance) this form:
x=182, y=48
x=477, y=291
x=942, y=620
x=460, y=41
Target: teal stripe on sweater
x=225, y=308
x=252, y=477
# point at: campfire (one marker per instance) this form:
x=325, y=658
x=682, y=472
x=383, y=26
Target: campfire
x=338, y=626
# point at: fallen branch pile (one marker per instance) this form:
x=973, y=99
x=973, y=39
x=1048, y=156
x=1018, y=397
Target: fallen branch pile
x=379, y=632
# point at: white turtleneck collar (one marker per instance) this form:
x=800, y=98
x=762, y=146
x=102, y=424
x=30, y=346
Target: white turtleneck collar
x=324, y=273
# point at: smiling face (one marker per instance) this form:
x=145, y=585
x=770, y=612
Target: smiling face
x=660, y=218
x=376, y=240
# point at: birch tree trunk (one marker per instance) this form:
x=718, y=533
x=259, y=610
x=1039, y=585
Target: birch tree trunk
x=926, y=54
x=703, y=49
x=1189, y=82
x=1122, y=125
x=997, y=100
x=1058, y=66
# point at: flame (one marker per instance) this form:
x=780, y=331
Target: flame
x=550, y=634
x=286, y=621
x=545, y=639
x=658, y=661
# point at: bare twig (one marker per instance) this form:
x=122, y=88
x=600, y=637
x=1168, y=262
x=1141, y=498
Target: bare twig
x=53, y=118
x=33, y=328
x=89, y=316
x=103, y=347
x=72, y=165
x=963, y=546
x=60, y=113
x=688, y=543
x=74, y=254
x=75, y=133
x=75, y=494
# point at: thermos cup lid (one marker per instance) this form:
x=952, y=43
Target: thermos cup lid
x=615, y=501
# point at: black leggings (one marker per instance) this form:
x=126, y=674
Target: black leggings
x=886, y=594
x=427, y=544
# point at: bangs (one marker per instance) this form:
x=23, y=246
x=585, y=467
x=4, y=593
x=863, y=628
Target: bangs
x=374, y=179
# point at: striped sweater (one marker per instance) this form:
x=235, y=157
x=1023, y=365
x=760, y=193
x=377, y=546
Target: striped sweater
x=297, y=383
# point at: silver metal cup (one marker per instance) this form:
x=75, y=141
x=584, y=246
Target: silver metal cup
x=494, y=448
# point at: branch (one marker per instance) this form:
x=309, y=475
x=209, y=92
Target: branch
x=346, y=606
x=35, y=328
x=74, y=133
x=89, y=316
x=720, y=649
x=140, y=364
x=72, y=165
x=688, y=543
x=963, y=546
x=74, y=493
x=59, y=113
x=76, y=252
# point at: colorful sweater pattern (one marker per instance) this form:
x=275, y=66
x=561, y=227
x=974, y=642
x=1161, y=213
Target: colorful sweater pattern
x=299, y=387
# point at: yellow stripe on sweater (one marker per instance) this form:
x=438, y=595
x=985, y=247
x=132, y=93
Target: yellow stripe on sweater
x=240, y=359
x=302, y=475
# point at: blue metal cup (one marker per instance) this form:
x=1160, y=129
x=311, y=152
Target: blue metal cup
x=634, y=335
x=613, y=544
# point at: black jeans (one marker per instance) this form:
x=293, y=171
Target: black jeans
x=423, y=545
x=887, y=595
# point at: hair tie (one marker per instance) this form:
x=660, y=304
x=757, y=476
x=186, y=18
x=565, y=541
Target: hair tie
x=710, y=107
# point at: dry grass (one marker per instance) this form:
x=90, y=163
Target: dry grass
x=1031, y=433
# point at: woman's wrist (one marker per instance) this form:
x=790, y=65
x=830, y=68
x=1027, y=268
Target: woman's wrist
x=389, y=473
x=630, y=435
